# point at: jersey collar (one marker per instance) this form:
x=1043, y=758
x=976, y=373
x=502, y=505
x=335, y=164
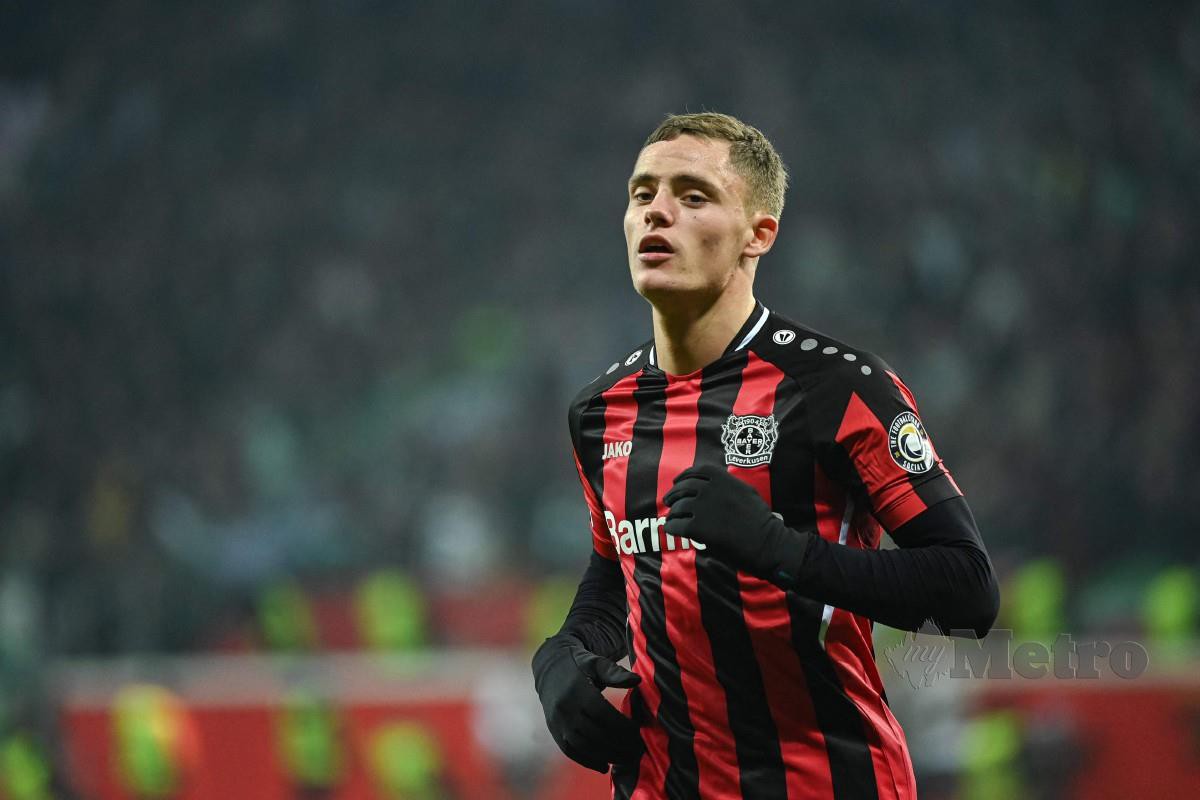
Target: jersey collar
x=749, y=329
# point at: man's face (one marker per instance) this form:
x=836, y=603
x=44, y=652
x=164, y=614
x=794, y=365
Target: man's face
x=686, y=226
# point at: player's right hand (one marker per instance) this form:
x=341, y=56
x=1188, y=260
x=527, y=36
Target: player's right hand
x=569, y=680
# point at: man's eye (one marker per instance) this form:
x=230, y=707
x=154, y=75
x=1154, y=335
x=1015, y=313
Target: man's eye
x=642, y=196
x=695, y=198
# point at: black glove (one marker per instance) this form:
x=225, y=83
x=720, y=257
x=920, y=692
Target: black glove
x=586, y=727
x=711, y=506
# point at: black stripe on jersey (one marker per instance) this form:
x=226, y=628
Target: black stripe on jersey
x=641, y=500
x=841, y=723
x=587, y=431
x=760, y=760
x=792, y=483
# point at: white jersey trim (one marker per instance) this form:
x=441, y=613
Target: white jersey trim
x=762, y=320
x=827, y=611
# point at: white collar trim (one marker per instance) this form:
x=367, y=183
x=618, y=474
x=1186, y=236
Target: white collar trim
x=762, y=320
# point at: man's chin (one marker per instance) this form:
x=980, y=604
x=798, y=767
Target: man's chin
x=664, y=291
x=651, y=284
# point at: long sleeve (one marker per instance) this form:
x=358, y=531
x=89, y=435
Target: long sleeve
x=940, y=573
x=597, y=615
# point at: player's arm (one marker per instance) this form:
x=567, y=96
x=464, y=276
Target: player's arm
x=941, y=571
x=597, y=615
x=571, y=668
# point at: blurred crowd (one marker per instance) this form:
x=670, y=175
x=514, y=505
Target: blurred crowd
x=288, y=296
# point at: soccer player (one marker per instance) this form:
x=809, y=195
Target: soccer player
x=739, y=469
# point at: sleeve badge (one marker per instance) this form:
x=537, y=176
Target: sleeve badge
x=909, y=443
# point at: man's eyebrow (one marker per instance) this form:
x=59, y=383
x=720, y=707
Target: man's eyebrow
x=680, y=179
x=641, y=178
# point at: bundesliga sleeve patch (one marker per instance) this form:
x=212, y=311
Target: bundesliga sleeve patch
x=749, y=440
x=909, y=444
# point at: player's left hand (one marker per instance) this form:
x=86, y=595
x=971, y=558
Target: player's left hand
x=711, y=506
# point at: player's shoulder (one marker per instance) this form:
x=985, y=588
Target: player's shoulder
x=628, y=363
x=812, y=357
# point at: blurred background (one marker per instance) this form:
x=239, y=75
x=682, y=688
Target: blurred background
x=293, y=298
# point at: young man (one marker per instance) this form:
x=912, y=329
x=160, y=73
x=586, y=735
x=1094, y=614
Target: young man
x=739, y=468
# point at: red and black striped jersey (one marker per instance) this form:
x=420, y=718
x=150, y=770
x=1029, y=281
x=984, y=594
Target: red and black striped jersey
x=749, y=691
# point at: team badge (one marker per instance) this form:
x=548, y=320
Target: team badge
x=784, y=336
x=749, y=440
x=634, y=356
x=909, y=444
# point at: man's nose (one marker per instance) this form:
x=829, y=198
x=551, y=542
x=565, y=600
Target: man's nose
x=659, y=212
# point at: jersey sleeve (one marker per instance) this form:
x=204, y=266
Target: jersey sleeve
x=869, y=436
x=602, y=542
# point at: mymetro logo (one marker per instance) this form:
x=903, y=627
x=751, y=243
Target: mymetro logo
x=926, y=656
x=920, y=657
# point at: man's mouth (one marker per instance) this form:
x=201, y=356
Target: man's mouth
x=653, y=249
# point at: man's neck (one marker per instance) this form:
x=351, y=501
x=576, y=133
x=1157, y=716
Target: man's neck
x=686, y=340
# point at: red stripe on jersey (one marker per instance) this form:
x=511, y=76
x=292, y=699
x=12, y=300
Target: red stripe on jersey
x=719, y=779
x=848, y=645
x=866, y=441
x=619, y=414
x=889, y=749
x=912, y=401
x=602, y=542
x=769, y=622
x=652, y=770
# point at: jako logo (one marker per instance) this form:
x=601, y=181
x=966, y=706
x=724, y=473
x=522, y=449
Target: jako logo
x=616, y=450
x=632, y=537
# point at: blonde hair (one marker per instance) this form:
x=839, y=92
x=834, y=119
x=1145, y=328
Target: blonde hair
x=750, y=152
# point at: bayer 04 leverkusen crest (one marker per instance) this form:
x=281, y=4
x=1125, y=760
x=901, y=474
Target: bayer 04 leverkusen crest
x=749, y=440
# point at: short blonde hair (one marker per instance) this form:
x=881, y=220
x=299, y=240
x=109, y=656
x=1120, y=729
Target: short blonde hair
x=750, y=152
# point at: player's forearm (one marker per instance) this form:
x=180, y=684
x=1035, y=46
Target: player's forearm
x=597, y=615
x=941, y=573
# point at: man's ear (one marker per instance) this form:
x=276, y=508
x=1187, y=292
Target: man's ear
x=764, y=227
